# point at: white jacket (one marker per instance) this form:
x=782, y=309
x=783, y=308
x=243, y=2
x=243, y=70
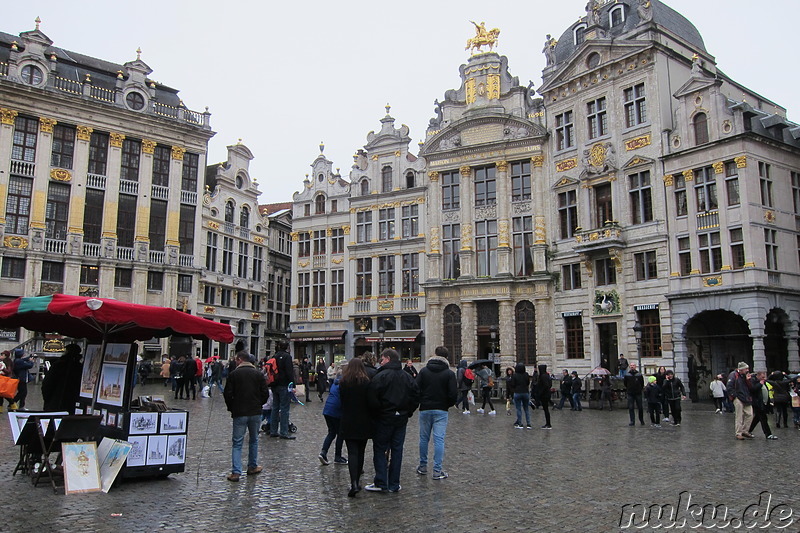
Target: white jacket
x=717, y=388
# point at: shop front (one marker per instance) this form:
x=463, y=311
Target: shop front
x=328, y=345
x=410, y=343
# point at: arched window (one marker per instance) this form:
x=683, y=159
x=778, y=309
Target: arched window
x=320, y=203
x=525, y=320
x=579, y=34
x=700, y=128
x=452, y=332
x=411, y=182
x=229, y=208
x=386, y=179
x=616, y=16
x=244, y=217
x=364, y=187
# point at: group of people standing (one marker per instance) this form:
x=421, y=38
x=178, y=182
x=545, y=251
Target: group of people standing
x=755, y=396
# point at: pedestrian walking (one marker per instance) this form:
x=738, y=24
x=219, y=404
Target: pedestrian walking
x=485, y=383
x=762, y=405
x=779, y=384
x=717, y=388
x=305, y=377
x=622, y=365
x=674, y=392
x=322, y=378
x=245, y=392
x=410, y=369
x=279, y=421
x=543, y=388
x=739, y=391
x=509, y=389
x=522, y=398
x=566, y=390
x=576, y=390
x=216, y=375
x=357, y=425
x=464, y=384
x=634, y=386
x=438, y=392
x=652, y=393
x=661, y=375
x=605, y=393
x=794, y=393
x=22, y=365
x=332, y=412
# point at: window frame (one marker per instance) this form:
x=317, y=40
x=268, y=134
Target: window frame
x=597, y=118
x=641, y=197
x=635, y=105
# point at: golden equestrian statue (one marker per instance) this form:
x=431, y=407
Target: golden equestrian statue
x=483, y=37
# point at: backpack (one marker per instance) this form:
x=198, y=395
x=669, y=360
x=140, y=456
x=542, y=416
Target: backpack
x=469, y=377
x=271, y=370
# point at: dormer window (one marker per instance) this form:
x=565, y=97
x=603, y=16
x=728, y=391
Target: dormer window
x=320, y=204
x=134, y=100
x=386, y=179
x=410, y=181
x=229, y=208
x=364, y=187
x=579, y=34
x=700, y=123
x=616, y=16
x=31, y=74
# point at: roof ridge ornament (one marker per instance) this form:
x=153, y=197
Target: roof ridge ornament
x=139, y=54
x=483, y=37
x=37, y=21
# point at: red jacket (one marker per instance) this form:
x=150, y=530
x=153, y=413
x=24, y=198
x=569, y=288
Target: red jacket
x=199, y=363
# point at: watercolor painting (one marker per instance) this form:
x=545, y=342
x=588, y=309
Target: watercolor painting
x=117, y=353
x=81, y=469
x=112, y=453
x=91, y=369
x=112, y=385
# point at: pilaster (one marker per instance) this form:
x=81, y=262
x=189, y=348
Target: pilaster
x=469, y=337
x=467, y=254
x=503, y=185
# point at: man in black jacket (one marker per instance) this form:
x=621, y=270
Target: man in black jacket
x=245, y=392
x=566, y=390
x=673, y=391
x=392, y=397
x=438, y=392
x=634, y=385
x=279, y=420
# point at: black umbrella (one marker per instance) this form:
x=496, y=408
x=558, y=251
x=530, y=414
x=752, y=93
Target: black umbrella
x=479, y=362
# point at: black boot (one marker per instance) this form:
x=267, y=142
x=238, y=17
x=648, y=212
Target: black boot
x=353, y=490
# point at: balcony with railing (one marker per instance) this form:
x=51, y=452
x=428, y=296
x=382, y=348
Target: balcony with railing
x=709, y=219
x=189, y=197
x=129, y=187
x=96, y=181
x=609, y=236
x=244, y=233
x=125, y=254
x=3, y=69
x=91, y=249
x=23, y=168
x=66, y=85
x=101, y=93
x=336, y=313
x=774, y=278
x=302, y=314
x=229, y=228
x=157, y=257
x=55, y=246
x=363, y=306
x=319, y=261
x=409, y=303
x=186, y=260
x=159, y=192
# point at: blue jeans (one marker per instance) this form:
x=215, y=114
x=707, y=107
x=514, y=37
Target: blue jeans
x=432, y=421
x=576, y=398
x=240, y=425
x=390, y=434
x=333, y=433
x=280, y=403
x=211, y=383
x=522, y=402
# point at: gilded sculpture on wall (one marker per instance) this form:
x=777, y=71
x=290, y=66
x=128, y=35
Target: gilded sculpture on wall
x=483, y=37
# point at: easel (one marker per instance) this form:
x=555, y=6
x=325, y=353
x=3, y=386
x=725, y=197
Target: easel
x=75, y=428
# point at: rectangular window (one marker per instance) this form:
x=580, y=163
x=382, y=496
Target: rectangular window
x=57, y=211
x=337, y=287
x=18, y=205
x=258, y=262
x=641, y=197
x=451, y=244
x=705, y=189
x=710, y=252
x=227, y=256
x=211, y=251
x=241, y=300
x=98, y=153
x=13, y=267
x=597, y=118
x=386, y=276
x=485, y=185
x=209, y=295
x=364, y=226
x=244, y=258
x=334, y=206
x=225, y=298
x=732, y=183
x=337, y=241
x=364, y=278
x=522, y=238
x=573, y=327
x=520, y=181
x=765, y=181
x=571, y=276
x=606, y=271
x=635, y=105
x=63, y=146
x=303, y=244
x=161, y=159
x=123, y=278
x=93, y=216
x=184, y=283
x=255, y=302
x=131, y=154
x=645, y=263
x=568, y=213
x=604, y=207
x=410, y=221
x=23, y=147
x=155, y=281
x=796, y=192
x=318, y=286
x=451, y=189
x=126, y=220
x=771, y=247
x=681, y=204
x=386, y=224
x=90, y=275
x=410, y=274
x=565, y=131
x=186, y=229
x=307, y=210
x=52, y=272
x=651, y=333
x=486, y=247
x=189, y=172
x=737, y=248
x=685, y=256
x=158, y=225
x=270, y=291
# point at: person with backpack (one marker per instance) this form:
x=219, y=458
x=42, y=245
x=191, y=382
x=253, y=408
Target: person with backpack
x=464, y=379
x=486, y=384
x=280, y=373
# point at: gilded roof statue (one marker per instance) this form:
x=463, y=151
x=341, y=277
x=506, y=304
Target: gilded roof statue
x=483, y=37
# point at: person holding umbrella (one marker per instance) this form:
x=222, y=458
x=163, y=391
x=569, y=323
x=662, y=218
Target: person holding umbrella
x=485, y=382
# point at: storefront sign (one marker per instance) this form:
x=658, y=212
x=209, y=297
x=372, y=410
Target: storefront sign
x=566, y=314
x=645, y=307
x=9, y=334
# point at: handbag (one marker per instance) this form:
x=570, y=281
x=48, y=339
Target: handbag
x=8, y=387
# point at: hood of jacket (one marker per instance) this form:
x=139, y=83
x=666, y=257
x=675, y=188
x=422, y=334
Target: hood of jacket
x=437, y=364
x=520, y=368
x=542, y=369
x=462, y=363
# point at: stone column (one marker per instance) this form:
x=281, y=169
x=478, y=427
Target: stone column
x=508, y=334
x=469, y=333
x=41, y=182
x=504, y=250
x=111, y=196
x=433, y=328
x=680, y=360
x=174, y=206
x=434, y=210
x=467, y=253
x=142, y=236
x=759, y=353
x=77, y=200
x=539, y=193
x=7, y=119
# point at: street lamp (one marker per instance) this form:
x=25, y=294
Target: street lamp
x=288, y=331
x=493, y=342
x=637, y=332
x=381, y=331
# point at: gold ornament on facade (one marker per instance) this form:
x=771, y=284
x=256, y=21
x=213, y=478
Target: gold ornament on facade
x=668, y=180
x=769, y=216
x=597, y=155
x=502, y=166
x=115, y=139
x=719, y=167
x=177, y=153
x=148, y=146
x=433, y=175
x=303, y=264
x=741, y=161
x=337, y=261
x=8, y=116
x=502, y=233
x=213, y=225
x=688, y=175
x=346, y=230
x=318, y=313
x=12, y=241
x=471, y=91
x=566, y=164
x=210, y=309
x=84, y=133
x=712, y=281
x=540, y=229
x=259, y=240
x=537, y=160
x=466, y=237
x=465, y=171
x=494, y=86
x=295, y=236
x=60, y=174
x=328, y=232
x=46, y=124
x=637, y=142
x=483, y=37
x=434, y=243
x=397, y=153
x=385, y=305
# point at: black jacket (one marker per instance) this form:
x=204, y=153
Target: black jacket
x=245, y=391
x=566, y=384
x=652, y=393
x=392, y=392
x=356, y=422
x=520, y=380
x=577, y=385
x=740, y=387
x=634, y=382
x=285, y=369
x=544, y=386
x=673, y=389
x=437, y=386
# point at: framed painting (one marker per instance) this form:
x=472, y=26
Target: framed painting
x=173, y=422
x=117, y=353
x=112, y=385
x=112, y=454
x=136, y=456
x=156, y=450
x=176, y=449
x=143, y=423
x=81, y=468
x=91, y=369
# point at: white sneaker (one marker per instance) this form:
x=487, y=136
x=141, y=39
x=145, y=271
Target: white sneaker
x=492, y=412
x=480, y=411
x=666, y=419
x=465, y=413
x=718, y=411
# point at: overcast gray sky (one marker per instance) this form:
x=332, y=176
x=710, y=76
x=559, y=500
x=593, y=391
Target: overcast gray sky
x=283, y=76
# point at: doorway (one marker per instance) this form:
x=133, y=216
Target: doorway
x=609, y=353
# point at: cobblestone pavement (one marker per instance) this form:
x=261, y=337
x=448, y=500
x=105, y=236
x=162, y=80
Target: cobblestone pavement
x=575, y=477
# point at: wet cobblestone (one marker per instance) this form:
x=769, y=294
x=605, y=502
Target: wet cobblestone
x=575, y=477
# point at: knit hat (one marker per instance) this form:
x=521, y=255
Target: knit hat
x=743, y=366
x=651, y=379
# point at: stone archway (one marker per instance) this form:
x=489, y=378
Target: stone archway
x=775, y=341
